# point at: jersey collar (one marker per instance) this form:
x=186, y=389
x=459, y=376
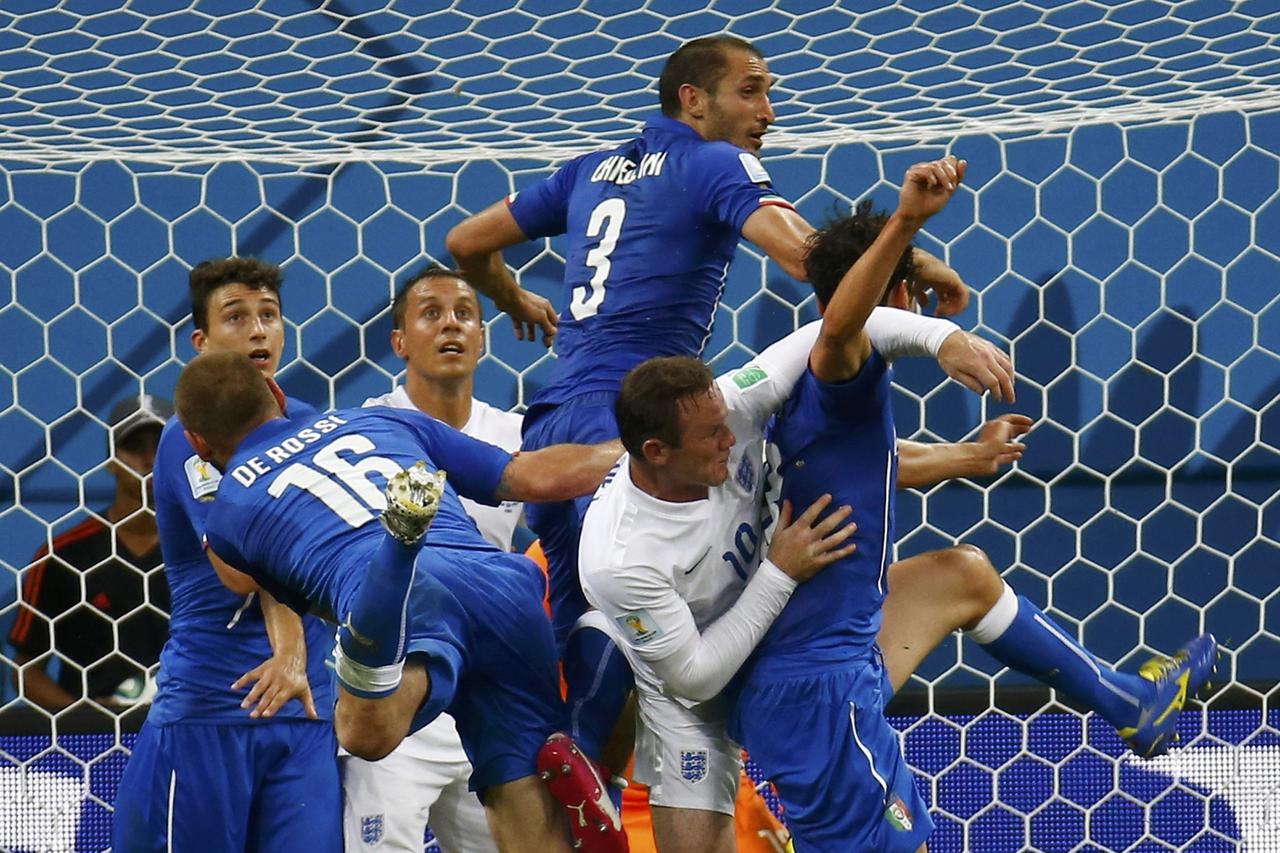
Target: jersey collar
x=673, y=126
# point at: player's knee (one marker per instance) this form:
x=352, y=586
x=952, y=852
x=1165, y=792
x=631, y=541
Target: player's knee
x=976, y=578
x=362, y=736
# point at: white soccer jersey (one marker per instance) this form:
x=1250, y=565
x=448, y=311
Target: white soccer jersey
x=497, y=523
x=671, y=577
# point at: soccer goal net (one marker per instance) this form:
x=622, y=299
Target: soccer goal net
x=1119, y=226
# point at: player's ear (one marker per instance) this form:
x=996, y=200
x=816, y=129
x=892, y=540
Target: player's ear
x=693, y=100
x=199, y=339
x=397, y=344
x=276, y=392
x=899, y=296
x=655, y=451
x=202, y=448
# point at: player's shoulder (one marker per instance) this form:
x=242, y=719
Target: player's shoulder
x=299, y=410
x=494, y=425
x=724, y=159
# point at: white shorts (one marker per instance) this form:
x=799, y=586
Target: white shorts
x=685, y=755
x=388, y=803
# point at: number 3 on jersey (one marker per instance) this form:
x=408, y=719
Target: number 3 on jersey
x=605, y=223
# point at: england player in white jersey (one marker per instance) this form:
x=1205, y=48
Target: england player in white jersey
x=439, y=332
x=673, y=539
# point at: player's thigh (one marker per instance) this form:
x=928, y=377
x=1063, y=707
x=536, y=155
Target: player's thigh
x=692, y=831
x=298, y=805
x=930, y=596
x=185, y=788
x=524, y=817
x=458, y=819
x=823, y=741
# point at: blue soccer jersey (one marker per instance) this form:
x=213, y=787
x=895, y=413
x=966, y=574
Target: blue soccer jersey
x=837, y=438
x=215, y=636
x=298, y=510
x=652, y=226
x=299, y=503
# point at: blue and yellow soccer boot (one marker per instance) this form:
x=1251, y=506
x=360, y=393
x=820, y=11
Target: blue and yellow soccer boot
x=1176, y=680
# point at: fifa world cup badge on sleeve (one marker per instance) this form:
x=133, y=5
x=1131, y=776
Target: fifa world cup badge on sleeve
x=639, y=626
x=202, y=477
x=748, y=376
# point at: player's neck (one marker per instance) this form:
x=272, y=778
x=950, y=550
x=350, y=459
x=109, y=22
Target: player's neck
x=657, y=483
x=449, y=402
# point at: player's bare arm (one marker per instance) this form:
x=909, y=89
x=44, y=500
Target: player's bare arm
x=558, y=473
x=843, y=346
x=284, y=675
x=782, y=234
x=921, y=465
x=476, y=244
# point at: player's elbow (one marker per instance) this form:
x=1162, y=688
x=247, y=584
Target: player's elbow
x=238, y=583
x=464, y=242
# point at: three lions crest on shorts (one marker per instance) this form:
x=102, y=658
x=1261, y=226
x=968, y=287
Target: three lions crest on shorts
x=693, y=764
x=371, y=829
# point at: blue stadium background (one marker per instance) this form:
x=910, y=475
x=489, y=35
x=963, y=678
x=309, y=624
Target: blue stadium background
x=1131, y=270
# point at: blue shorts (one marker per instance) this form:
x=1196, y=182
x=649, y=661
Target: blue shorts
x=241, y=787
x=585, y=419
x=821, y=737
x=488, y=648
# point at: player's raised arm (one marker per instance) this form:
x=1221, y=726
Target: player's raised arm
x=843, y=345
x=476, y=244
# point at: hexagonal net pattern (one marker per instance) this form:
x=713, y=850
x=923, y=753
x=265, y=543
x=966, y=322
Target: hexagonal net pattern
x=1120, y=226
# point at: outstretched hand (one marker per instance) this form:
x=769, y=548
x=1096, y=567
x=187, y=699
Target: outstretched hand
x=275, y=681
x=978, y=365
x=997, y=443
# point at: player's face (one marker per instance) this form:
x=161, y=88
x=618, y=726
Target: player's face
x=244, y=320
x=739, y=111
x=705, y=440
x=443, y=335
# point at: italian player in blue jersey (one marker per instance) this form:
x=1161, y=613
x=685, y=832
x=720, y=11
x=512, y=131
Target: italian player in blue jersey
x=652, y=227
x=237, y=752
x=810, y=701
x=457, y=625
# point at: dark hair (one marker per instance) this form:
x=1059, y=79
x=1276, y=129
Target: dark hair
x=648, y=404
x=400, y=304
x=212, y=274
x=701, y=62
x=219, y=394
x=834, y=249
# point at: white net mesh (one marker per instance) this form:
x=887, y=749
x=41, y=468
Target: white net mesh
x=1120, y=226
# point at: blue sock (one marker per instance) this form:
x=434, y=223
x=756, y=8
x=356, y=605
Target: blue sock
x=371, y=640
x=599, y=680
x=1032, y=643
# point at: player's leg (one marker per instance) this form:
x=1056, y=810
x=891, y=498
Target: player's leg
x=186, y=789
x=958, y=588
x=459, y=821
x=371, y=643
x=822, y=739
x=298, y=802
x=691, y=768
x=597, y=676
x=692, y=831
x=523, y=816
x=372, y=728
